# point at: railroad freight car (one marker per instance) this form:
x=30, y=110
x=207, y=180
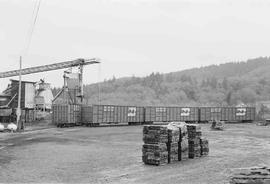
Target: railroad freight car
x=239, y=113
x=207, y=114
x=66, y=115
x=227, y=114
x=112, y=114
x=28, y=115
x=87, y=115
x=167, y=114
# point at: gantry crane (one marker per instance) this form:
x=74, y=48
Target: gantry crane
x=44, y=68
x=80, y=63
x=68, y=64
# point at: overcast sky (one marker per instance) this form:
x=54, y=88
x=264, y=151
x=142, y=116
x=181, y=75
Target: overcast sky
x=132, y=37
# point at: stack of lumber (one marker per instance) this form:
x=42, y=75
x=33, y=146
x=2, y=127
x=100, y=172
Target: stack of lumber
x=184, y=144
x=255, y=175
x=173, y=143
x=204, y=146
x=155, y=145
x=183, y=140
x=194, y=136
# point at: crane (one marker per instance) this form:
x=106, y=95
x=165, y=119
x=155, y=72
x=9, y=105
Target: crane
x=67, y=64
x=57, y=66
x=80, y=63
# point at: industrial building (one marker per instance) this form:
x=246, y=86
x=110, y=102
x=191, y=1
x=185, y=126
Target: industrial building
x=36, y=100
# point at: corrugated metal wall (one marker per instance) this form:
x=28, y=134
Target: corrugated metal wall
x=27, y=94
x=87, y=114
x=14, y=91
x=117, y=114
x=166, y=114
x=227, y=113
x=28, y=115
x=99, y=114
x=66, y=114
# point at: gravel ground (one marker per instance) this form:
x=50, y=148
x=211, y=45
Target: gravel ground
x=113, y=155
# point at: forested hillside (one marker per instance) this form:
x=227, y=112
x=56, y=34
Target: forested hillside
x=225, y=84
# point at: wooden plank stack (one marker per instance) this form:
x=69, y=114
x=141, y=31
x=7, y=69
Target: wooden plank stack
x=155, y=154
x=173, y=143
x=204, y=146
x=194, y=135
x=155, y=145
x=153, y=134
x=183, y=144
x=182, y=140
x=255, y=175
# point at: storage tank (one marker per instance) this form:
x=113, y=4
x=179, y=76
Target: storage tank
x=44, y=96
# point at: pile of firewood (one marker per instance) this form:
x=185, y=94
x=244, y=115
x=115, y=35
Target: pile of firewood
x=194, y=136
x=204, y=146
x=255, y=175
x=175, y=142
x=155, y=150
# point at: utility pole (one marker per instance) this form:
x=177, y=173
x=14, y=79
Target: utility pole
x=99, y=77
x=81, y=82
x=19, y=125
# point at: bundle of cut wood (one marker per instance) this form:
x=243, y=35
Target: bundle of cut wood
x=172, y=152
x=194, y=148
x=183, y=140
x=255, y=175
x=194, y=135
x=194, y=131
x=184, y=155
x=176, y=142
x=155, y=145
x=153, y=134
x=204, y=146
x=155, y=154
x=173, y=142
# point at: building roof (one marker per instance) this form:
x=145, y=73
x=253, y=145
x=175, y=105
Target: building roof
x=13, y=80
x=4, y=95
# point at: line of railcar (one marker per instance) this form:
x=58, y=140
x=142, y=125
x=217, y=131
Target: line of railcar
x=64, y=115
x=96, y=115
x=167, y=114
x=232, y=114
x=112, y=114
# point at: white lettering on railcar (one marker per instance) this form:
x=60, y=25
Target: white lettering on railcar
x=160, y=109
x=108, y=108
x=241, y=111
x=185, y=111
x=132, y=111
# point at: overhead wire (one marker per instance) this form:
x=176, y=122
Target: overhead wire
x=34, y=18
x=31, y=22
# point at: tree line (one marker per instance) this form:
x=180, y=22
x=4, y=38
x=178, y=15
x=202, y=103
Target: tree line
x=216, y=85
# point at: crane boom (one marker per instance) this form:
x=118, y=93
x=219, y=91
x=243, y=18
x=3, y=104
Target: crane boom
x=56, y=66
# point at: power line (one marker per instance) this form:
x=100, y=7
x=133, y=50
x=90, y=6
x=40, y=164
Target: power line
x=31, y=21
x=32, y=25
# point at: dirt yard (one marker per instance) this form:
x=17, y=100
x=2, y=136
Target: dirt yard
x=113, y=155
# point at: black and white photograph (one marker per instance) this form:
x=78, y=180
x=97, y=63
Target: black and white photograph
x=135, y=91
